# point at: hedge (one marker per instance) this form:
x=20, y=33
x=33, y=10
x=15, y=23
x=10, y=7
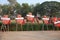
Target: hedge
x=29, y=27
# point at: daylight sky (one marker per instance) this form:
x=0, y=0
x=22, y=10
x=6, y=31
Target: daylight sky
x=27, y=1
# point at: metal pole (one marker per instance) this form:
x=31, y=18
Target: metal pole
x=8, y=27
x=21, y=28
x=27, y=26
x=32, y=26
x=16, y=27
x=43, y=27
x=47, y=26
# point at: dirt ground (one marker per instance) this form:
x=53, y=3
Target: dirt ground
x=30, y=35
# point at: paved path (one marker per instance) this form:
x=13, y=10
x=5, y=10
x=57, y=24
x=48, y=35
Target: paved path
x=30, y=35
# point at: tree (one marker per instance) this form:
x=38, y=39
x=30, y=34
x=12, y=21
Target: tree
x=47, y=8
x=18, y=8
x=25, y=9
x=5, y=9
x=37, y=9
x=50, y=8
x=0, y=9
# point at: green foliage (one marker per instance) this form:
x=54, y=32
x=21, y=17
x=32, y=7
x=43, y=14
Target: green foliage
x=25, y=9
x=46, y=8
x=5, y=9
x=37, y=9
x=50, y=8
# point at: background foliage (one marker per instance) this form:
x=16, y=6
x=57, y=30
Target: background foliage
x=46, y=8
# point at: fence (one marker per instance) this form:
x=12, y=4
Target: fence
x=28, y=27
